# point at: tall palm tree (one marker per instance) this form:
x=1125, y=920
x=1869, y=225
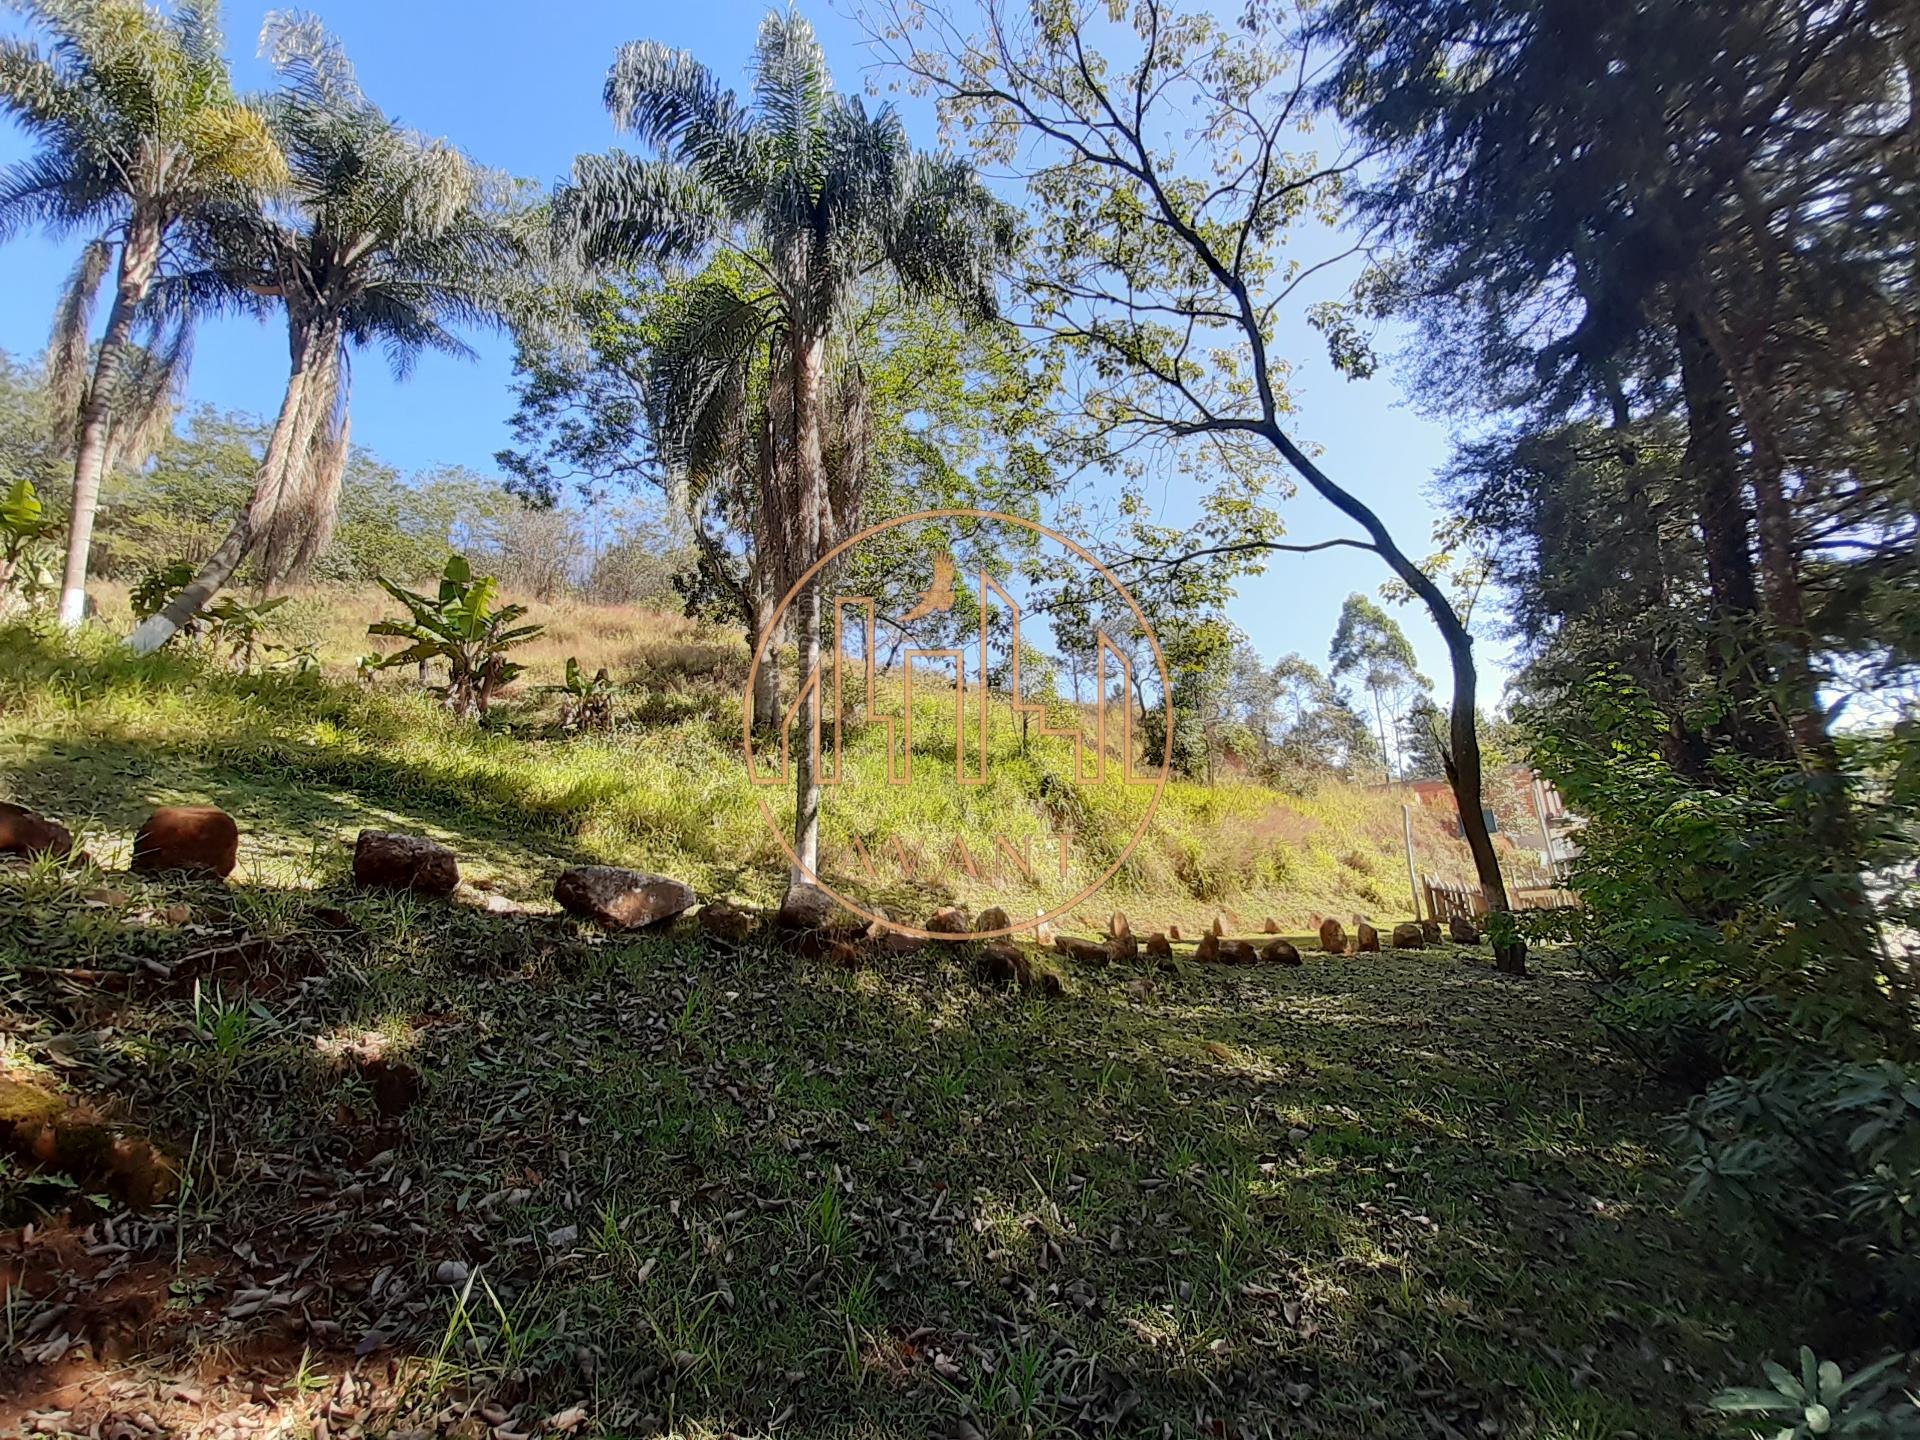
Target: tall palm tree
x=385, y=238
x=818, y=194
x=138, y=130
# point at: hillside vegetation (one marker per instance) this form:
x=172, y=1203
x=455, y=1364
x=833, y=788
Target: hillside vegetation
x=666, y=789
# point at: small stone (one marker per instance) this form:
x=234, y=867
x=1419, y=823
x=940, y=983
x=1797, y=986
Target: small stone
x=1297, y=1135
x=620, y=899
x=1280, y=952
x=1173, y=932
x=1408, y=935
x=949, y=920
x=187, y=837
x=1141, y=989
x=22, y=832
x=727, y=922
x=1117, y=925
x=388, y=860
x=1270, y=926
x=1219, y=926
x=1237, y=952
x=1158, y=947
x=451, y=1272
x=1461, y=930
x=843, y=955
x=1333, y=936
x=991, y=918
x=899, y=943
x=1367, y=938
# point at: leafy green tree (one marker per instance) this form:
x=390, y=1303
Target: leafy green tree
x=464, y=625
x=1369, y=646
x=1159, y=269
x=137, y=130
x=814, y=192
x=392, y=239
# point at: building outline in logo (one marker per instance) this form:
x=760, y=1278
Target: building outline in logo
x=901, y=727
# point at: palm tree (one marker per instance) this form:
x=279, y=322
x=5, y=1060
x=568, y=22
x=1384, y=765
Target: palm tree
x=815, y=194
x=138, y=130
x=387, y=238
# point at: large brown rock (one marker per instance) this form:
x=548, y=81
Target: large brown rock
x=1431, y=930
x=1461, y=930
x=1408, y=935
x=1158, y=947
x=1086, y=952
x=388, y=860
x=187, y=837
x=1366, y=938
x=807, y=907
x=1121, y=943
x=1333, y=936
x=949, y=920
x=991, y=918
x=22, y=832
x=1237, y=952
x=1208, y=949
x=1280, y=952
x=621, y=899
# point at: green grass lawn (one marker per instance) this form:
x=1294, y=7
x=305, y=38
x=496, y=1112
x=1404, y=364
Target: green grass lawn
x=702, y=1190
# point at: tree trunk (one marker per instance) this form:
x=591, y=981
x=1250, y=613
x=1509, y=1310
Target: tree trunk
x=766, y=679
x=809, y=371
x=1380, y=724
x=139, y=258
x=1509, y=955
x=288, y=431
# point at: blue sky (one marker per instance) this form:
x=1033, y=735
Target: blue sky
x=518, y=86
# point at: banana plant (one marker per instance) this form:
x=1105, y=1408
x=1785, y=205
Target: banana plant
x=23, y=523
x=463, y=626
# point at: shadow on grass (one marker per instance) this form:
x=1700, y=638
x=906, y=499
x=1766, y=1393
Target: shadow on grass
x=707, y=1188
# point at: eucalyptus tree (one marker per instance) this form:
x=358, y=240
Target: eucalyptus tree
x=137, y=130
x=385, y=238
x=1369, y=645
x=1161, y=267
x=816, y=195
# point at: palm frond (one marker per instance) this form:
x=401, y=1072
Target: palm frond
x=620, y=209
x=793, y=92
x=70, y=347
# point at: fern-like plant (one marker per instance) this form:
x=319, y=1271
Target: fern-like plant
x=464, y=626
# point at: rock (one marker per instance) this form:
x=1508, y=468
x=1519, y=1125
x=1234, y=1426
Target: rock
x=1367, y=939
x=1173, y=932
x=727, y=922
x=1086, y=952
x=899, y=943
x=949, y=920
x=22, y=832
x=1003, y=964
x=1121, y=944
x=388, y=860
x=1043, y=980
x=1270, y=926
x=500, y=905
x=1141, y=989
x=1117, y=925
x=806, y=907
x=1461, y=930
x=451, y=1272
x=1043, y=935
x=1219, y=927
x=1280, y=952
x=187, y=837
x=1158, y=947
x=1408, y=935
x=620, y=899
x=45, y=1129
x=1333, y=936
x=991, y=918
x=843, y=955
x=1208, y=950
x=1237, y=952
x=395, y=1084
x=1431, y=930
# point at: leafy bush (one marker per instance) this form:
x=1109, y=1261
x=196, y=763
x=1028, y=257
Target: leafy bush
x=24, y=523
x=462, y=626
x=1820, y=1400
x=587, y=703
x=1749, y=963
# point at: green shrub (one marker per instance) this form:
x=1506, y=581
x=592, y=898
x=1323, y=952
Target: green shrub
x=462, y=626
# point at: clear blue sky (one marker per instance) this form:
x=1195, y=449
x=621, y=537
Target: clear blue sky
x=518, y=86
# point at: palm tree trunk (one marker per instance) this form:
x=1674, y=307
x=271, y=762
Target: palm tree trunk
x=139, y=258
x=809, y=368
x=288, y=431
x=766, y=679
